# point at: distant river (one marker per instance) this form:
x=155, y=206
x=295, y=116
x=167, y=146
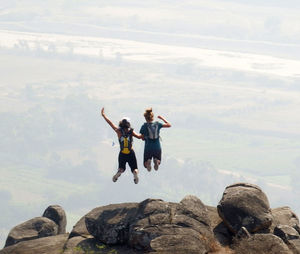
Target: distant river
x=148, y=52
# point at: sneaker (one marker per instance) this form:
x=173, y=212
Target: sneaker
x=156, y=163
x=148, y=165
x=135, y=177
x=116, y=176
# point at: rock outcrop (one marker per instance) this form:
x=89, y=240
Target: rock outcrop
x=245, y=205
x=52, y=223
x=57, y=214
x=50, y=245
x=35, y=228
x=285, y=216
x=242, y=223
x=152, y=225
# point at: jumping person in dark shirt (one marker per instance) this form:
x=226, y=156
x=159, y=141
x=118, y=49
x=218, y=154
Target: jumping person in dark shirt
x=150, y=131
x=127, y=155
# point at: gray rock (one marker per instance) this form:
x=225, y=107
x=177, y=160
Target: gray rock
x=193, y=207
x=179, y=242
x=245, y=205
x=76, y=244
x=32, y=229
x=294, y=246
x=58, y=215
x=110, y=224
x=71, y=245
x=290, y=236
x=285, y=216
x=154, y=225
x=286, y=233
x=79, y=229
x=45, y=245
x=221, y=232
x=261, y=244
x=171, y=227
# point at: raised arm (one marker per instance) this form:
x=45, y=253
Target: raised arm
x=166, y=124
x=114, y=127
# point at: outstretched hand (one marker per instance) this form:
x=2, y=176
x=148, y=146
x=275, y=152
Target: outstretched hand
x=102, y=111
x=160, y=117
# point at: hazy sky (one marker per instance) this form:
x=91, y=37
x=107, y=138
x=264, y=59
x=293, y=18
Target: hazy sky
x=225, y=73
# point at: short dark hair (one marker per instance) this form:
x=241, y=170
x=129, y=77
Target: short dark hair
x=124, y=123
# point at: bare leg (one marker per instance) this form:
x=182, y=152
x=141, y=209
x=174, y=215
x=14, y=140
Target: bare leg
x=156, y=164
x=135, y=176
x=147, y=165
x=118, y=174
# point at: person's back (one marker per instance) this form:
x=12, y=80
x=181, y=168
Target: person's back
x=150, y=131
x=126, y=140
x=126, y=155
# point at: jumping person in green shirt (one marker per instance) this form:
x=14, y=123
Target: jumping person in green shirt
x=127, y=155
x=150, y=132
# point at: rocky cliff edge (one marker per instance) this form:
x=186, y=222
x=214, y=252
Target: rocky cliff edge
x=242, y=223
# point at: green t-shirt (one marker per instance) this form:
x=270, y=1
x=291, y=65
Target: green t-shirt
x=151, y=144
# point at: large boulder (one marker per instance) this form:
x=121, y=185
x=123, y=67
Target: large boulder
x=172, y=227
x=245, y=205
x=32, y=229
x=110, y=224
x=154, y=225
x=58, y=215
x=45, y=245
x=80, y=228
